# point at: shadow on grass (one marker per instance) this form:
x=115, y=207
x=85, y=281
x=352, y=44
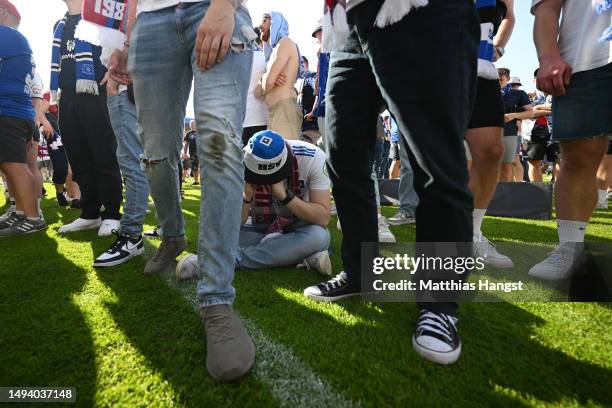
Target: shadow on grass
x=162, y=325
x=45, y=340
x=370, y=357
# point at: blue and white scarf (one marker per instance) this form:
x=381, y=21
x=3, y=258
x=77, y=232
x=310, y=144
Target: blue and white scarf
x=86, y=82
x=602, y=6
x=506, y=89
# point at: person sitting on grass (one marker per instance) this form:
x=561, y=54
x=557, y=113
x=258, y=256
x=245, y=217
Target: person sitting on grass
x=286, y=193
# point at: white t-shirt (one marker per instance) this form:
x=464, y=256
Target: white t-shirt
x=579, y=32
x=256, y=110
x=311, y=165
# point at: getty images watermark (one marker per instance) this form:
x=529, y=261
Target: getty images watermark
x=451, y=272
x=458, y=265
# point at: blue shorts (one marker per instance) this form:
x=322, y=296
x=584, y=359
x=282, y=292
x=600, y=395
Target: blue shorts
x=585, y=111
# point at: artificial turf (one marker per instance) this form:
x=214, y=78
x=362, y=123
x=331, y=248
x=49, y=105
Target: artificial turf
x=123, y=339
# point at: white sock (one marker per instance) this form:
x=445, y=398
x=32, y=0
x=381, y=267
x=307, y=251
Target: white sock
x=477, y=217
x=602, y=196
x=571, y=231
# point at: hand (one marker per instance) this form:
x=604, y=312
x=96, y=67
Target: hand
x=508, y=117
x=278, y=190
x=117, y=67
x=112, y=86
x=281, y=79
x=47, y=129
x=249, y=192
x=309, y=117
x=214, y=34
x=554, y=75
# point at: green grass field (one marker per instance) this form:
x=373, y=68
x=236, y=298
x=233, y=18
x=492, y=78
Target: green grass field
x=123, y=339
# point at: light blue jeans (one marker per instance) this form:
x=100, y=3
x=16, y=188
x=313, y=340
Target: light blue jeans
x=409, y=200
x=129, y=150
x=298, y=242
x=162, y=64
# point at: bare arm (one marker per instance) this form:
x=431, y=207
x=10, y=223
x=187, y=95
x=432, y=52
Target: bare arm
x=555, y=73
x=527, y=113
x=506, y=27
x=278, y=63
x=316, y=211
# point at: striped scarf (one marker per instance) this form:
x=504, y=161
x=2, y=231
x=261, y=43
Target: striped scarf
x=602, y=6
x=264, y=208
x=335, y=25
x=86, y=82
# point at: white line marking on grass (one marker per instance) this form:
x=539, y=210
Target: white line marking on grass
x=290, y=380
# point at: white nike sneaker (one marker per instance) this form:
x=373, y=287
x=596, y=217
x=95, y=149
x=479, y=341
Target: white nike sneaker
x=107, y=227
x=320, y=262
x=122, y=250
x=483, y=248
x=80, y=224
x=384, y=233
x=187, y=268
x=558, y=264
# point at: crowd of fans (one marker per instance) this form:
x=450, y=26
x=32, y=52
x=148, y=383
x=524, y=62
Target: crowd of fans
x=272, y=139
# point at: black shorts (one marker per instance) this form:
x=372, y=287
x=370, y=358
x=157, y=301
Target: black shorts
x=538, y=150
x=394, y=151
x=14, y=135
x=488, y=106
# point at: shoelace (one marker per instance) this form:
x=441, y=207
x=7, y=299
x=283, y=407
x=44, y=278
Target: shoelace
x=335, y=282
x=218, y=327
x=119, y=242
x=437, y=323
x=160, y=251
x=560, y=256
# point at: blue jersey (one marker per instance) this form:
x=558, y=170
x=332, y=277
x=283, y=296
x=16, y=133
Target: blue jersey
x=394, y=131
x=16, y=75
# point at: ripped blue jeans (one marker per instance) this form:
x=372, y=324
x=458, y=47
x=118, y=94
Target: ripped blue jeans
x=162, y=64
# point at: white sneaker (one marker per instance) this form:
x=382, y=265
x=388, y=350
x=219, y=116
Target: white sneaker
x=187, y=268
x=80, y=224
x=401, y=218
x=320, y=262
x=107, y=228
x=338, y=226
x=558, y=264
x=384, y=233
x=602, y=204
x=483, y=248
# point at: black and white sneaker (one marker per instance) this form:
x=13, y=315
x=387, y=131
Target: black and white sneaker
x=21, y=225
x=334, y=289
x=436, y=339
x=122, y=250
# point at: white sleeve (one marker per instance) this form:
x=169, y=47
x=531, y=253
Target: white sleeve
x=318, y=178
x=37, y=89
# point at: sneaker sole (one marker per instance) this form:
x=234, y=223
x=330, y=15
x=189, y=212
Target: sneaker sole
x=328, y=299
x=134, y=254
x=387, y=240
x=25, y=233
x=396, y=223
x=78, y=229
x=436, y=356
